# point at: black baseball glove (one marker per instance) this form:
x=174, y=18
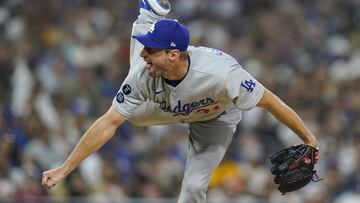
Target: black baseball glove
x=294, y=167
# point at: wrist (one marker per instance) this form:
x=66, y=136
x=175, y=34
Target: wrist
x=65, y=168
x=312, y=144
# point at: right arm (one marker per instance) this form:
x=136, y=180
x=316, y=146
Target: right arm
x=95, y=137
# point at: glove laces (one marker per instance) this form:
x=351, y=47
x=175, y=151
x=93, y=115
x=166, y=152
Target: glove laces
x=317, y=178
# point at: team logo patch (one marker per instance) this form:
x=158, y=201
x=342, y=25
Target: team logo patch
x=120, y=97
x=249, y=85
x=126, y=89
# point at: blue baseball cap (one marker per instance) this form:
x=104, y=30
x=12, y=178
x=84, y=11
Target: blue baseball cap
x=166, y=34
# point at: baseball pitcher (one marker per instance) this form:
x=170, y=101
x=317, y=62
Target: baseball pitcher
x=171, y=82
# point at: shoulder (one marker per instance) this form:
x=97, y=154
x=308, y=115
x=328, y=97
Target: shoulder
x=211, y=61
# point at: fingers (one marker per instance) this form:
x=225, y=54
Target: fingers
x=47, y=180
x=44, y=179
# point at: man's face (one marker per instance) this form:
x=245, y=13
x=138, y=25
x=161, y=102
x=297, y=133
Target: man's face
x=156, y=61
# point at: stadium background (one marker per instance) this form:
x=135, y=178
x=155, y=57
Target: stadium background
x=62, y=62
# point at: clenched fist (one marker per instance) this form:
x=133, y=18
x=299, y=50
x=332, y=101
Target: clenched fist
x=51, y=177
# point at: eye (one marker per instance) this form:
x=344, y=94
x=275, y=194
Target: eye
x=148, y=50
x=152, y=50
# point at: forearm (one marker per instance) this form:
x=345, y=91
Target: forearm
x=288, y=117
x=95, y=137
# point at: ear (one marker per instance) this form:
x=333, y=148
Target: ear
x=173, y=54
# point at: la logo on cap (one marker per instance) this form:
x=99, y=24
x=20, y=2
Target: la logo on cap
x=152, y=28
x=165, y=34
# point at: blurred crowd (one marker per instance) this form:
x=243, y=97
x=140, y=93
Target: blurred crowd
x=62, y=62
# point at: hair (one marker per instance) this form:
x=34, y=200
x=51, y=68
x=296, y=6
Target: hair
x=183, y=55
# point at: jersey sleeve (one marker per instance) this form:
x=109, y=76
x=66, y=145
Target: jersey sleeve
x=243, y=89
x=129, y=97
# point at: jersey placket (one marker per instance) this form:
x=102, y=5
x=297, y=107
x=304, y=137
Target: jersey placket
x=173, y=100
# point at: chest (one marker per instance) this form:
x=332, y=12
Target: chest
x=187, y=99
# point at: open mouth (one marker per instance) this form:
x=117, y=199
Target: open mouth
x=148, y=65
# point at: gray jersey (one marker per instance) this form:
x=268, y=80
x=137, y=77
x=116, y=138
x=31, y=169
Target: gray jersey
x=215, y=87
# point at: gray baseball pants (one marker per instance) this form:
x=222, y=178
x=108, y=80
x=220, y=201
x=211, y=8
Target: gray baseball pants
x=208, y=142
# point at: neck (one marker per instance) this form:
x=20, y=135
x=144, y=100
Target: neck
x=178, y=71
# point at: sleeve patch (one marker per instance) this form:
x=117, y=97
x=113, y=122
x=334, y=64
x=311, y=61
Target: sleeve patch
x=120, y=97
x=126, y=89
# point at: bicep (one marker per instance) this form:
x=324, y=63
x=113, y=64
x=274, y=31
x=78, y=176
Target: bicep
x=266, y=99
x=271, y=102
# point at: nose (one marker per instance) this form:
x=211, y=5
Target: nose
x=144, y=53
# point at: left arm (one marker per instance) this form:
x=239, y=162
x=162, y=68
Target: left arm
x=287, y=116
